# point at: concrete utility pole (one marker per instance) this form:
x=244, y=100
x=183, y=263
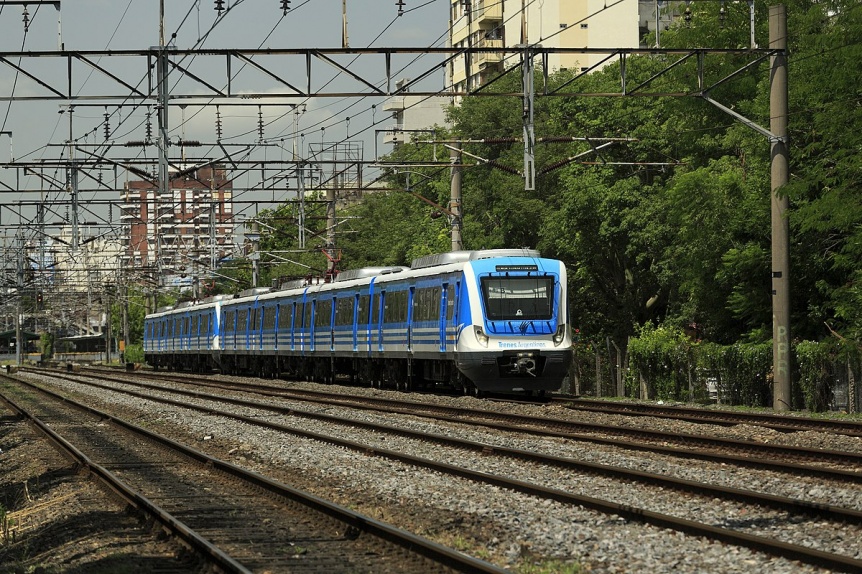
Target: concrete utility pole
x=780, y=207
x=19, y=284
x=529, y=132
x=455, y=198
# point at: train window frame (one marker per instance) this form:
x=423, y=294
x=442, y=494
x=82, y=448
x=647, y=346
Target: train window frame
x=450, y=302
x=363, y=309
x=499, y=312
x=307, y=314
x=323, y=313
x=269, y=314
x=395, y=307
x=344, y=310
x=285, y=317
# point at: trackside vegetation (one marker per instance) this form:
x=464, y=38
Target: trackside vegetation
x=666, y=231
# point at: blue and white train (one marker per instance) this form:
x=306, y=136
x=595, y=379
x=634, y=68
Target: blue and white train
x=479, y=321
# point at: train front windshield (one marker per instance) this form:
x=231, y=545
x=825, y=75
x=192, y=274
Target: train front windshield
x=518, y=298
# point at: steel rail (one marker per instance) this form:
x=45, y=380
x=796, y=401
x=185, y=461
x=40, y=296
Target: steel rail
x=574, y=430
x=772, y=547
x=740, y=495
x=413, y=543
x=775, y=422
x=201, y=545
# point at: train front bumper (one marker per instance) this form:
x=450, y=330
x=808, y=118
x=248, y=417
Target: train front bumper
x=516, y=370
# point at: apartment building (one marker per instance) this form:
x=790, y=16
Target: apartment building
x=549, y=23
x=185, y=231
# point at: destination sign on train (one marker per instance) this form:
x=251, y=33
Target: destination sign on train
x=517, y=268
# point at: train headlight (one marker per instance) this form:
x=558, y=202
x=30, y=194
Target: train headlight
x=560, y=335
x=481, y=336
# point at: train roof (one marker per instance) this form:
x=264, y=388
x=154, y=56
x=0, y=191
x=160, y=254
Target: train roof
x=464, y=256
x=423, y=265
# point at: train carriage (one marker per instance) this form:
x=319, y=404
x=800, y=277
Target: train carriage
x=491, y=320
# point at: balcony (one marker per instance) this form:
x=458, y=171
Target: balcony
x=491, y=10
x=484, y=16
x=483, y=60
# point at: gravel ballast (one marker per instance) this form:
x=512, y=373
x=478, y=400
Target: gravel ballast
x=508, y=528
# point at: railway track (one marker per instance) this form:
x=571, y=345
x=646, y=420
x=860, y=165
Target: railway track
x=793, y=508
x=238, y=520
x=831, y=464
x=719, y=417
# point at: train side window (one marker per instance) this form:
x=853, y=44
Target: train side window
x=419, y=298
x=450, y=302
x=323, y=313
x=363, y=314
x=285, y=317
x=344, y=311
x=269, y=318
x=376, y=307
x=390, y=304
x=395, y=307
x=230, y=322
x=306, y=321
x=434, y=304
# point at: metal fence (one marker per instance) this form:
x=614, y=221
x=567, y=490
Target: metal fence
x=603, y=371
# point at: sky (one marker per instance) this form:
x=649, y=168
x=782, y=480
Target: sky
x=39, y=131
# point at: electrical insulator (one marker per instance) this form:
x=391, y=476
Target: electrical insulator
x=687, y=14
x=149, y=128
x=26, y=19
x=259, y=124
x=218, y=124
x=219, y=6
x=400, y=4
x=107, y=126
x=722, y=15
x=285, y=6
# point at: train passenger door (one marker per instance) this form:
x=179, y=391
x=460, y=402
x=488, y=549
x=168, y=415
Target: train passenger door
x=293, y=325
x=441, y=313
x=197, y=345
x=275, y=327
x=410, y=297
x=380, y=310
x=356, y=316
x=260, y=317
x=311, y=330
x=371, y=320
